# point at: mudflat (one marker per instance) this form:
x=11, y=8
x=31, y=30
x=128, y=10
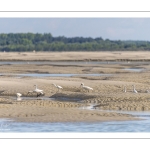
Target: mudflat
x=121, y=69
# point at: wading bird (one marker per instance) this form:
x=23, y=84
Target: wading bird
x=38, y=91
x=18, y=95
x=86, y=87
x=134, y=90
x=57, y=86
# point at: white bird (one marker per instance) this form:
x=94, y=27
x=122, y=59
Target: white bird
x=38, y=91
x=134, y=90
x=18, y=95
x=86, y=87
x=57, y=86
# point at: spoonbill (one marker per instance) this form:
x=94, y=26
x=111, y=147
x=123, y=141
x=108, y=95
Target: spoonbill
x=134, y=90
x=86, y=87
x=57, y=86
x=38, y=91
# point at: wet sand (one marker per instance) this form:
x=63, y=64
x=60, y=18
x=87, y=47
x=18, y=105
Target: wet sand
x=49, y=111
x=108, y=91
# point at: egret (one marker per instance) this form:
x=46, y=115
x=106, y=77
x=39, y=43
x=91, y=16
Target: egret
x=18, y=95
x=134, y=90
x=38, y=91
x=57, y=86
x=86, y=87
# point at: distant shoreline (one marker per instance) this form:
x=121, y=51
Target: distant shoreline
x=76, y=56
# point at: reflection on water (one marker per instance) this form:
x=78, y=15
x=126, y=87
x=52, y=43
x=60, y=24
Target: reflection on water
x=112, y=126
x=19, y=98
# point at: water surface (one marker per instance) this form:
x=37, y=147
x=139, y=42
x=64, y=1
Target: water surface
x=71, y=62
x=7, y=125
x=134, y=69
x=51, y=75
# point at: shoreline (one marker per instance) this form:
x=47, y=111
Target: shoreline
x=76, y=56
x=50, y=111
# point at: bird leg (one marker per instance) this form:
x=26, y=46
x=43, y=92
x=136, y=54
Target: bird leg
x=28, y=93
x=38, y=94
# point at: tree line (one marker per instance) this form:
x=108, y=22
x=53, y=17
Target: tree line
x=46, y=42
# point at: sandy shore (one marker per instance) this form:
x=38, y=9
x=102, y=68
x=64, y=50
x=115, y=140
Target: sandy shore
x=66, y=104
x=50, y=111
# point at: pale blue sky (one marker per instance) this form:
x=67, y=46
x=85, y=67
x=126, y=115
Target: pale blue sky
x=111, y=28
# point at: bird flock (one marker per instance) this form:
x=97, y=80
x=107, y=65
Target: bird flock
x=40, y=92
x=134, y=90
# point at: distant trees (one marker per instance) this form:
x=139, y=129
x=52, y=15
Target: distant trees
x=46, y=42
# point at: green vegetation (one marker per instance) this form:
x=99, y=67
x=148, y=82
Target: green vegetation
x=46, y=42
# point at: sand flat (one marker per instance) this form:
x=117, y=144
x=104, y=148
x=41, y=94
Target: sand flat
x=108, y=93
x=44, y=111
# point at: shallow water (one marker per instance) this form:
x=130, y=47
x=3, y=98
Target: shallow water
x=134, y=69
x=71, y=62
x=52, y=75
x=7, y=125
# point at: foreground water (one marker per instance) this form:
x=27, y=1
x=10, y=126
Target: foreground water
x=7, y=125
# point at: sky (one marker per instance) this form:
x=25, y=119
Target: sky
x=107, y=28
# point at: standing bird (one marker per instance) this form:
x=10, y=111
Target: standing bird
x=134, y=90
x=18, y=95
x=38, y=91
x=57, y=86
x=86, y=87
